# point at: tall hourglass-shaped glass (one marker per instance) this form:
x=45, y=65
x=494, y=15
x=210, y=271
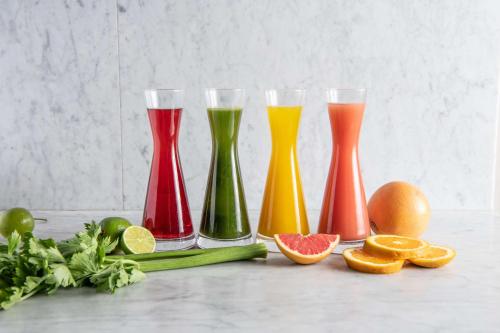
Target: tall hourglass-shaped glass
x=224, y=220
x=283, y=205
x=344, y=204
x=166, y=211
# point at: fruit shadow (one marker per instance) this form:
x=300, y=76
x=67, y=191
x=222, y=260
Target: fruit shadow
x=334, y=261
x=337, y=262
x=276, y=260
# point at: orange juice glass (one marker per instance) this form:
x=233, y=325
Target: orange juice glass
x=283, y=206
x=344, y=204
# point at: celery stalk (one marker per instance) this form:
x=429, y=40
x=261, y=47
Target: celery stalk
x=161, y=255
x=212, y=256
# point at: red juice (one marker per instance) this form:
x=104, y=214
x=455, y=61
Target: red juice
x=166, y=212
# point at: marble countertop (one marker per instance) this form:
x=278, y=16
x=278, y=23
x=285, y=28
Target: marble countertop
x=277, y=295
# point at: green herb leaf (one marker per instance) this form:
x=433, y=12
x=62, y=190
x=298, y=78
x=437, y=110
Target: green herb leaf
x=84, y=241
x=10, y=296
x=83, y=265
x=32, y=282
x=61, y=276
x=116, y=275
x=13, y=242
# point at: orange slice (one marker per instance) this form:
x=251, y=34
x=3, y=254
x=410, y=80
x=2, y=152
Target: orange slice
x=394, y=247
x=359, y=260
x=308, y=249
x=434, y=256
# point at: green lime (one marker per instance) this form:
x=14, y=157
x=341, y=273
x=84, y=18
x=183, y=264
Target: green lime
x=114, y=226
x=19, y=219
x=137, y=240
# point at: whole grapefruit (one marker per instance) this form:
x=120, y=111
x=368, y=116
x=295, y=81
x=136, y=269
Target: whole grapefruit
x=399, y=208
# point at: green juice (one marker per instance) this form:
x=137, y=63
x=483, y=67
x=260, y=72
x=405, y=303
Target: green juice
x=224, y=214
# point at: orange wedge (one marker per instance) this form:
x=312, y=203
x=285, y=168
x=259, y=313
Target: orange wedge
x=359, y=260
x=434, y=256
x=394, y=247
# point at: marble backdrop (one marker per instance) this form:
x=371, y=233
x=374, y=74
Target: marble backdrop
x=59, y=105
x=74, y=132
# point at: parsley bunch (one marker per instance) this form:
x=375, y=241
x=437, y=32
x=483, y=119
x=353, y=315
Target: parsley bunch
x=30, y=266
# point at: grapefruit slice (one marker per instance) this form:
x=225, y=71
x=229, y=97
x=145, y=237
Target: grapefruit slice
x=434, y=256
x=361, y=261
x=394, y=247
x=308, y=249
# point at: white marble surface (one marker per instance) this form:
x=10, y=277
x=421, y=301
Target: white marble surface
x=72, y=76
x=276, y=295
x=59, y=114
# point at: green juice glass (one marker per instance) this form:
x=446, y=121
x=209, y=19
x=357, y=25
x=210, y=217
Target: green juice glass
x=224, y=220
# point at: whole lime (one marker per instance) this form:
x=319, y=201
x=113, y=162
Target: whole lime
x=114, y=226
x=18, y=219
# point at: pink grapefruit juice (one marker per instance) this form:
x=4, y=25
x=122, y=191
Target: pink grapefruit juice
x=344, y=204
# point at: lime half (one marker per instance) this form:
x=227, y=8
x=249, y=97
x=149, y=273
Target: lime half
x=137, y=240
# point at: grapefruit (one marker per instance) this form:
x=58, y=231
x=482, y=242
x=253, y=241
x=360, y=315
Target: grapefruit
x=308, y=249
x=399, y=208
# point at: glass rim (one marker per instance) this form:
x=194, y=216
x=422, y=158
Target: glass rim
x=285, y=97
x=347, y=89
x=224, y=89
x=345, y=95
x=160, y=98
x=286, y=89
x=163, y=89
x=225, y=98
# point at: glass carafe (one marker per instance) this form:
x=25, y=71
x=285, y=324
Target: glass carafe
x=344, y=204
x=166, y=211
x=224, y=220
x=283, y=205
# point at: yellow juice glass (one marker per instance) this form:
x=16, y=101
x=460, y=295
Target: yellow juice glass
x=283, y=206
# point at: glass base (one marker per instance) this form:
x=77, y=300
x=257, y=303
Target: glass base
x=205, y=242
x=175, y=243
x=269, y=241
x=341, y=246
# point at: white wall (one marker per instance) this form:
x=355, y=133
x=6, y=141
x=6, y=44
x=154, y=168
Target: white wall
x=74, y=131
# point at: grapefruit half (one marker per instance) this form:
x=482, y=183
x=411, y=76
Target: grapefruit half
x=308, y=249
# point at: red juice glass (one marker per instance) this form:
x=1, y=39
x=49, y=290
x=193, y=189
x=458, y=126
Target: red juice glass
x=166, y=211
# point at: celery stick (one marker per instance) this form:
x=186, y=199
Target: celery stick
x=168, y=254
x=161, y=255
x=213, y=256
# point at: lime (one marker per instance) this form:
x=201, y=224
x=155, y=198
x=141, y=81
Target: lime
x=18, y=219
x=114, y=226
x=137, y=240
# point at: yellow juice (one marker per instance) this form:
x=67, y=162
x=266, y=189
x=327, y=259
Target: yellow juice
x=283, y=206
